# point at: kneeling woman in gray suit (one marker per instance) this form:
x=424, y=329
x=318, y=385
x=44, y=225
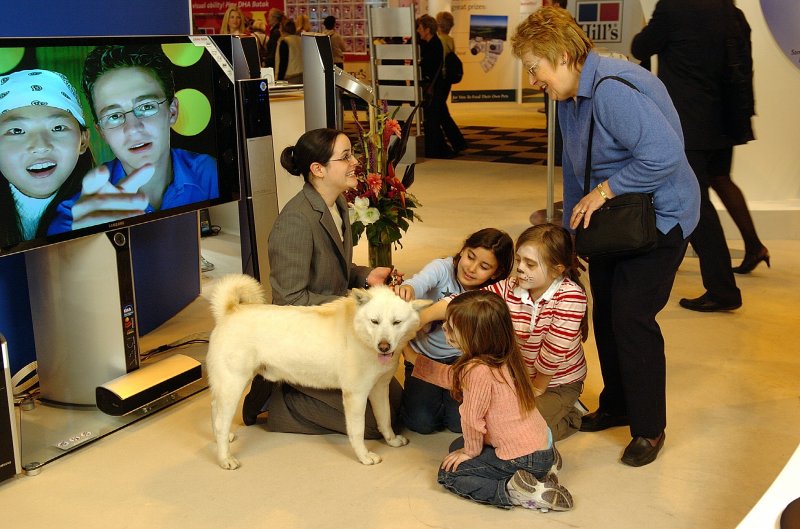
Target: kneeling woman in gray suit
x=310, y=259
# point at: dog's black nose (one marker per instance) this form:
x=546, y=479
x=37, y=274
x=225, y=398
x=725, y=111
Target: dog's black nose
x=384, y=347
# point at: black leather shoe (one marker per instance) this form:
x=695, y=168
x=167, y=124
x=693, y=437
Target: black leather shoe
x=260, y=390
x=706, y=304
x=600, y=420
x=640, y=452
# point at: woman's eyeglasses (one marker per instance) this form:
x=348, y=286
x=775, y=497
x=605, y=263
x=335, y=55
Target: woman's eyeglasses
x=348, y=157
x=532, y=69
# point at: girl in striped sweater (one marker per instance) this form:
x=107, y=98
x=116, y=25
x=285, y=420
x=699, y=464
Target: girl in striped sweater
x=548, y=309
x=506, y=455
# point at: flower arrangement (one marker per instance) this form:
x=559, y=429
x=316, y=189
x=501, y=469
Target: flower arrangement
x=380, y=205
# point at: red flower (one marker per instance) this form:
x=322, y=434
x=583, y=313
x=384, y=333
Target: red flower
x=374, y=183
x=391, y=127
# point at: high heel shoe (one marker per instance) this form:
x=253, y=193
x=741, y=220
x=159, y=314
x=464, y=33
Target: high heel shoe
x=750, y=261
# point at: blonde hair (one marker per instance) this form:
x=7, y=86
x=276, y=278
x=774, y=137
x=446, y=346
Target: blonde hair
x=231, y=8
x=550, y=32
x=445, y=20
x=302, y=22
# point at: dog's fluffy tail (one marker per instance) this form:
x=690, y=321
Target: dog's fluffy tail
x=234, y=290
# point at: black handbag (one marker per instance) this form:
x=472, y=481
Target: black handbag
x=625, y=225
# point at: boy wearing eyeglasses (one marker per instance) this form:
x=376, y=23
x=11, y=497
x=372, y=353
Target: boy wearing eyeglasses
x=131, y=93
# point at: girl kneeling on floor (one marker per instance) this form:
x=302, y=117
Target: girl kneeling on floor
x=487, y=256
x=506, y=455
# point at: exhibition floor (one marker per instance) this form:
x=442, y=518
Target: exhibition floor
x=732, y=416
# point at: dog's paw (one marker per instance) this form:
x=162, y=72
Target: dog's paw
x=397, y=440
x=370, y=458
x=229, y=463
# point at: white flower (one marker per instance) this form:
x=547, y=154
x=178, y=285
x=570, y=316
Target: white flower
x=361, y=203
x=370, y=215
x=359, y=211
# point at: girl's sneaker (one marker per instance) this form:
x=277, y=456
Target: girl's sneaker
x=557, y=463
x=528, y=492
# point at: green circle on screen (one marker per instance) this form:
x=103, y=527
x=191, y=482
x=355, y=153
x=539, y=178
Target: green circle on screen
x=194, y=112
x=183, y=54
x=10, y=57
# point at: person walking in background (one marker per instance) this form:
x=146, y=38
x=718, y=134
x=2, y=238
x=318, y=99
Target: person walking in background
x=637, y=146
x=434, y=89
x=445, y=21
x=273, y=31
x=676, y=32
x=337, y=41
x=303, y=23
x=289, y=60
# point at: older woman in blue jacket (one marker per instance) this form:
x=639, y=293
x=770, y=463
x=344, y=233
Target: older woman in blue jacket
x=637, y=146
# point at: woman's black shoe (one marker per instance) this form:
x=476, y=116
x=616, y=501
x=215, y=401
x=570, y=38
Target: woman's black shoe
x=600, y=420
x=640, y=452
x=260, y=390
x=751, y=261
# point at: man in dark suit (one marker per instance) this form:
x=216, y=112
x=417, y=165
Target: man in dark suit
x=689, y=38
x=434, y=88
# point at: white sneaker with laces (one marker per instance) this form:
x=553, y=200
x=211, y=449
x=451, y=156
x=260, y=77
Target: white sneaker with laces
x=528, y=492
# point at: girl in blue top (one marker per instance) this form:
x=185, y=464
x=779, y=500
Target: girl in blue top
x=486, y=257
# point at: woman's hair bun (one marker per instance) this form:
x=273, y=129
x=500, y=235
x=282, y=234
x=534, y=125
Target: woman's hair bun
x=289, y=162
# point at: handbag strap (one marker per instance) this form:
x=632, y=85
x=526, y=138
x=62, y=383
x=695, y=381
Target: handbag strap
x=588, y=169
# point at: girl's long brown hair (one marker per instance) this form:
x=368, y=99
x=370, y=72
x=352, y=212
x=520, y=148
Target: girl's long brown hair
x=482, y=324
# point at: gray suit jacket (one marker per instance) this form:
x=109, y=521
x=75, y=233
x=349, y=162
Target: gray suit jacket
x=309, y=263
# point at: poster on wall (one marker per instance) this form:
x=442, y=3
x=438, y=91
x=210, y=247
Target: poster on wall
x=207, y=15
x=783, y=19
x=481, y=33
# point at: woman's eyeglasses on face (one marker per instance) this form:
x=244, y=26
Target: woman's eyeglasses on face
x=347, y=157
x=532, y=69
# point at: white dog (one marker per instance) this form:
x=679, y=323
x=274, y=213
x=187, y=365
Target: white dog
x=352, y=343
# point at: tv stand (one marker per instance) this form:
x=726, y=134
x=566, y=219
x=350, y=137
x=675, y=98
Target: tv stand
x=82, y=304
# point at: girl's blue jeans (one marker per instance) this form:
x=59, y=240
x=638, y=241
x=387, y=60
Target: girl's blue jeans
x=483, y=479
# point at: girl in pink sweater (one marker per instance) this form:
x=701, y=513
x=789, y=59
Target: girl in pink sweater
x=506, y=456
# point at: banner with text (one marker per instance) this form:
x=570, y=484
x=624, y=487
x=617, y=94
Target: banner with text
x=482, y=34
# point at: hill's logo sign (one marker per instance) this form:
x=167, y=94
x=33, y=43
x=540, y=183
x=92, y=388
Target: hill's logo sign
x=601, y=20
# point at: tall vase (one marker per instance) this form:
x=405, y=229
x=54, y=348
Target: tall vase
x=380, y=254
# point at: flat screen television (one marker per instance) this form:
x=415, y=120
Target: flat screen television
x=102, y=133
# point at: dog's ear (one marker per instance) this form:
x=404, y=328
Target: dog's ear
x=419, y=304
x=361, y=295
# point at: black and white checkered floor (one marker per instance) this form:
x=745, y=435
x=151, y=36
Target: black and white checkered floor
x=507, y=145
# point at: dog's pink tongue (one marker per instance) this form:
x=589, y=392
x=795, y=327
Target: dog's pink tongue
x=385, y=358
